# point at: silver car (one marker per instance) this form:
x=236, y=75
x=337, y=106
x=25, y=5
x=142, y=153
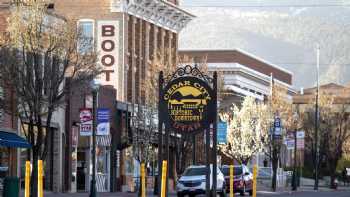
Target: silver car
x=192, y=182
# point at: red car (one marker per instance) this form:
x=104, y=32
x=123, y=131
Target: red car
x=243, y=179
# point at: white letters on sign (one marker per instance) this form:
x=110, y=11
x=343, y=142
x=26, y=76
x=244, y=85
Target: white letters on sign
x=108, y=50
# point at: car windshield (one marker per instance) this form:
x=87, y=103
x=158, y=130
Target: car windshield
x=237, y=170
x=195, y=171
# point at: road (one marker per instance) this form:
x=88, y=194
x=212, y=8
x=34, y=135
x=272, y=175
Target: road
x=307, y=194
x=259, y=194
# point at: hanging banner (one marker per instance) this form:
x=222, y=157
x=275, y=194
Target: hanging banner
x=85, y=122
x=222, y=133
x=103, y=125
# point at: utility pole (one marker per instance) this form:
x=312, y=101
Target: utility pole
x=317, y=120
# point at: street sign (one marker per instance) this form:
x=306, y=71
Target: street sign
x=290, y=144
x=188, y=103
x=300, y=134
x=277, y=130
x=103, y=125
x=277, y=122
x=85, y=122
x=222, y=133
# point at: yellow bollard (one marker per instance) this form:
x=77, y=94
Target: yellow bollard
x=40, y=179
x=255, y=173
x=27, y=180
x=143, y=180
x=164, y=175
x=232, y=173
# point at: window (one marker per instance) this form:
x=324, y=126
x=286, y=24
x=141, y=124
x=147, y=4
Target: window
x=86, y=36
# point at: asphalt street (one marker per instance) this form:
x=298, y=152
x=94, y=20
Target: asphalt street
x=259, y=194
x=307, y=194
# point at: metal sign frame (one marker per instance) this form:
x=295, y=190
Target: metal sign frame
x=188, y=104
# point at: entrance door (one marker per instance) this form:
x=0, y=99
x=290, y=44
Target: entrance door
x=82, y=169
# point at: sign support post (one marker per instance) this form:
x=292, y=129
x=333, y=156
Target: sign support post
x=160, y=134
x=188, y=105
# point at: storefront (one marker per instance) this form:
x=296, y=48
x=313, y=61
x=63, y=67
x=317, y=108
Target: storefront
x=9, y=141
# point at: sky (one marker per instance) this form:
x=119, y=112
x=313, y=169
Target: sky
x=260, y=2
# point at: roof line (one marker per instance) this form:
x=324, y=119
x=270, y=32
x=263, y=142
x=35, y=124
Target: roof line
x=245, y=53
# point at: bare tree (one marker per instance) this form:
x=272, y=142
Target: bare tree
x=334, y=131
x=37, y=54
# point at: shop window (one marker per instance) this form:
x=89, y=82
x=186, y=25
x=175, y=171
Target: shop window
x=4, y=165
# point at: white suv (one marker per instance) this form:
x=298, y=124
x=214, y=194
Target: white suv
x=192, y=182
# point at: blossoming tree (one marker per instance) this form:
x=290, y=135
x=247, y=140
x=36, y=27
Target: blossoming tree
x=247, y=131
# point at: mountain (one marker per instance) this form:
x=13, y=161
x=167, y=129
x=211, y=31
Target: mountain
x=178, y=96
x=284, y=36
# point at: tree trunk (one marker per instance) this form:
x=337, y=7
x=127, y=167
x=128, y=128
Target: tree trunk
x=34, y=176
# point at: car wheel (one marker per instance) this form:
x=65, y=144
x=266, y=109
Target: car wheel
x=180, y=195
x=242, y=192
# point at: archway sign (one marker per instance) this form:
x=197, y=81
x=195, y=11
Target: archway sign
x=188, y=105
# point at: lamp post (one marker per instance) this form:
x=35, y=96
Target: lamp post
x=294, y=184
x=94, y=86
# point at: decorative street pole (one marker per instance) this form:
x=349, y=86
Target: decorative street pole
x=95, y=86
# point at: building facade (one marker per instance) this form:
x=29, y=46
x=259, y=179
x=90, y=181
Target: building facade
x=10, y=123
x=129, y=36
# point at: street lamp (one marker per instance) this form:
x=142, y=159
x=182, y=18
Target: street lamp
x=95, y=85
x=294, y=184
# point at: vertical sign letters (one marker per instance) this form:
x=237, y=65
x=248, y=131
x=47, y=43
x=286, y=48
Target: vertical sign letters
x=107, y=47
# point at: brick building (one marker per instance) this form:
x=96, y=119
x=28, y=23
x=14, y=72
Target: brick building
x=10, y=122
x=128, y=36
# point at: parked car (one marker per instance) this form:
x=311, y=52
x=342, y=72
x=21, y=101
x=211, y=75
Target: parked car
x=243, y=179
x=192, y=181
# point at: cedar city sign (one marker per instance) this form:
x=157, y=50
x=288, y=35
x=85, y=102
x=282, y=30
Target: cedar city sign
x=188, y=100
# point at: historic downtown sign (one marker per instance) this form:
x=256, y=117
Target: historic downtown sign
x=188, y=102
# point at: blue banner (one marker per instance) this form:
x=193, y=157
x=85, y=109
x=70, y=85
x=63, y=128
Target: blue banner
x=222, y=133
x=103, y=125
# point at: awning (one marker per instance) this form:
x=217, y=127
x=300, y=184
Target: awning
x=9, y=139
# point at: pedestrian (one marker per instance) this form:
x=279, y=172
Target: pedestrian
x=344, y=176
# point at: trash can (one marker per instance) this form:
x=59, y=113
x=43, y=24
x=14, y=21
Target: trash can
x=11, y=187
